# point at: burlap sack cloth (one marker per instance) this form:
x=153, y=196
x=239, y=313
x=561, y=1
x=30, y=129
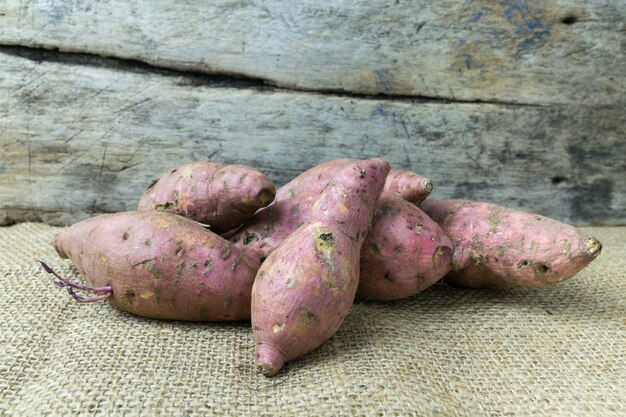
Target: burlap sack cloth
x=448, y=351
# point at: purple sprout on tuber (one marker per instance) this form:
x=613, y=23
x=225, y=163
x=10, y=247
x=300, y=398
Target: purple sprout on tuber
x=71, y=285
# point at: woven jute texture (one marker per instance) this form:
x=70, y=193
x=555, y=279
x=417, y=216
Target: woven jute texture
x=557, y=351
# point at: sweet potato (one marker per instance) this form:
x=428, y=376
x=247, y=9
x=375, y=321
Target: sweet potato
x=408, y=185
x=306, y=286
x=404, y=253
x=160, y=265
x=314, y=180
x=385, y=273
x=267, y=229
x=222, y=196
x=262, y=233
x=496, y=247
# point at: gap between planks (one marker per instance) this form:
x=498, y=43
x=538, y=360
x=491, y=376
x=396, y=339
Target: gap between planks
x=220, y=79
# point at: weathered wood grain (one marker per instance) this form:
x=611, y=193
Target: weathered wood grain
x=79, y=139
x=519, y=51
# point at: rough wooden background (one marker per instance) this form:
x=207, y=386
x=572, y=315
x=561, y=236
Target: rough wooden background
x=516, y=102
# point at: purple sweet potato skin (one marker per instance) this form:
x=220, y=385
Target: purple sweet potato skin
x=408, y=185
x=262, y=233
x=405, y=184
x=161, y=265
x=222, y=196
x=496, y=247
x=306, y=286
x=270, y=226
x=313, y=180
x=404, y=253
x=385, y=275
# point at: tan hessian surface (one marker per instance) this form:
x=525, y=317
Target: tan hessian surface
x=558, y=351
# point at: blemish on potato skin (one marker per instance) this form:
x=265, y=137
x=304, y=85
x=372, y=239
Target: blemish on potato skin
x=324, y=242
x=278, y=327
x=153, y=269
x=362, y=196
x=247, y=238
x=494, y=221
x=329, y=282
x=373, y=248
x=148, y=242
x=157, y=295
x=326, y=236
x=163, y=207
x=142, y=263
x=208, y=267
x=179, y=268
x=130, y=296
x=306, y=318
x=290, y=283
x=237, y=260
x=226, y=249
x=477, y=245
x=541, y=269
x=385, y=210
x=476, y=257
x=146, y=295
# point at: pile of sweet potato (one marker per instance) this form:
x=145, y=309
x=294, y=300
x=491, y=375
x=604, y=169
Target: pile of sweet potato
x=216, y=242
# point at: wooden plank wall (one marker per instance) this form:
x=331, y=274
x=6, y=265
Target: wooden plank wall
x=515, y=102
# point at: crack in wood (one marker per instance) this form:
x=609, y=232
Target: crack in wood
x=219, y=79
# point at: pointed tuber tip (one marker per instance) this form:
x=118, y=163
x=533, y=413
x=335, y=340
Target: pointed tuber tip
x=266, y=196
x=593, y=246
x=269, y=359
x=427, y=185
